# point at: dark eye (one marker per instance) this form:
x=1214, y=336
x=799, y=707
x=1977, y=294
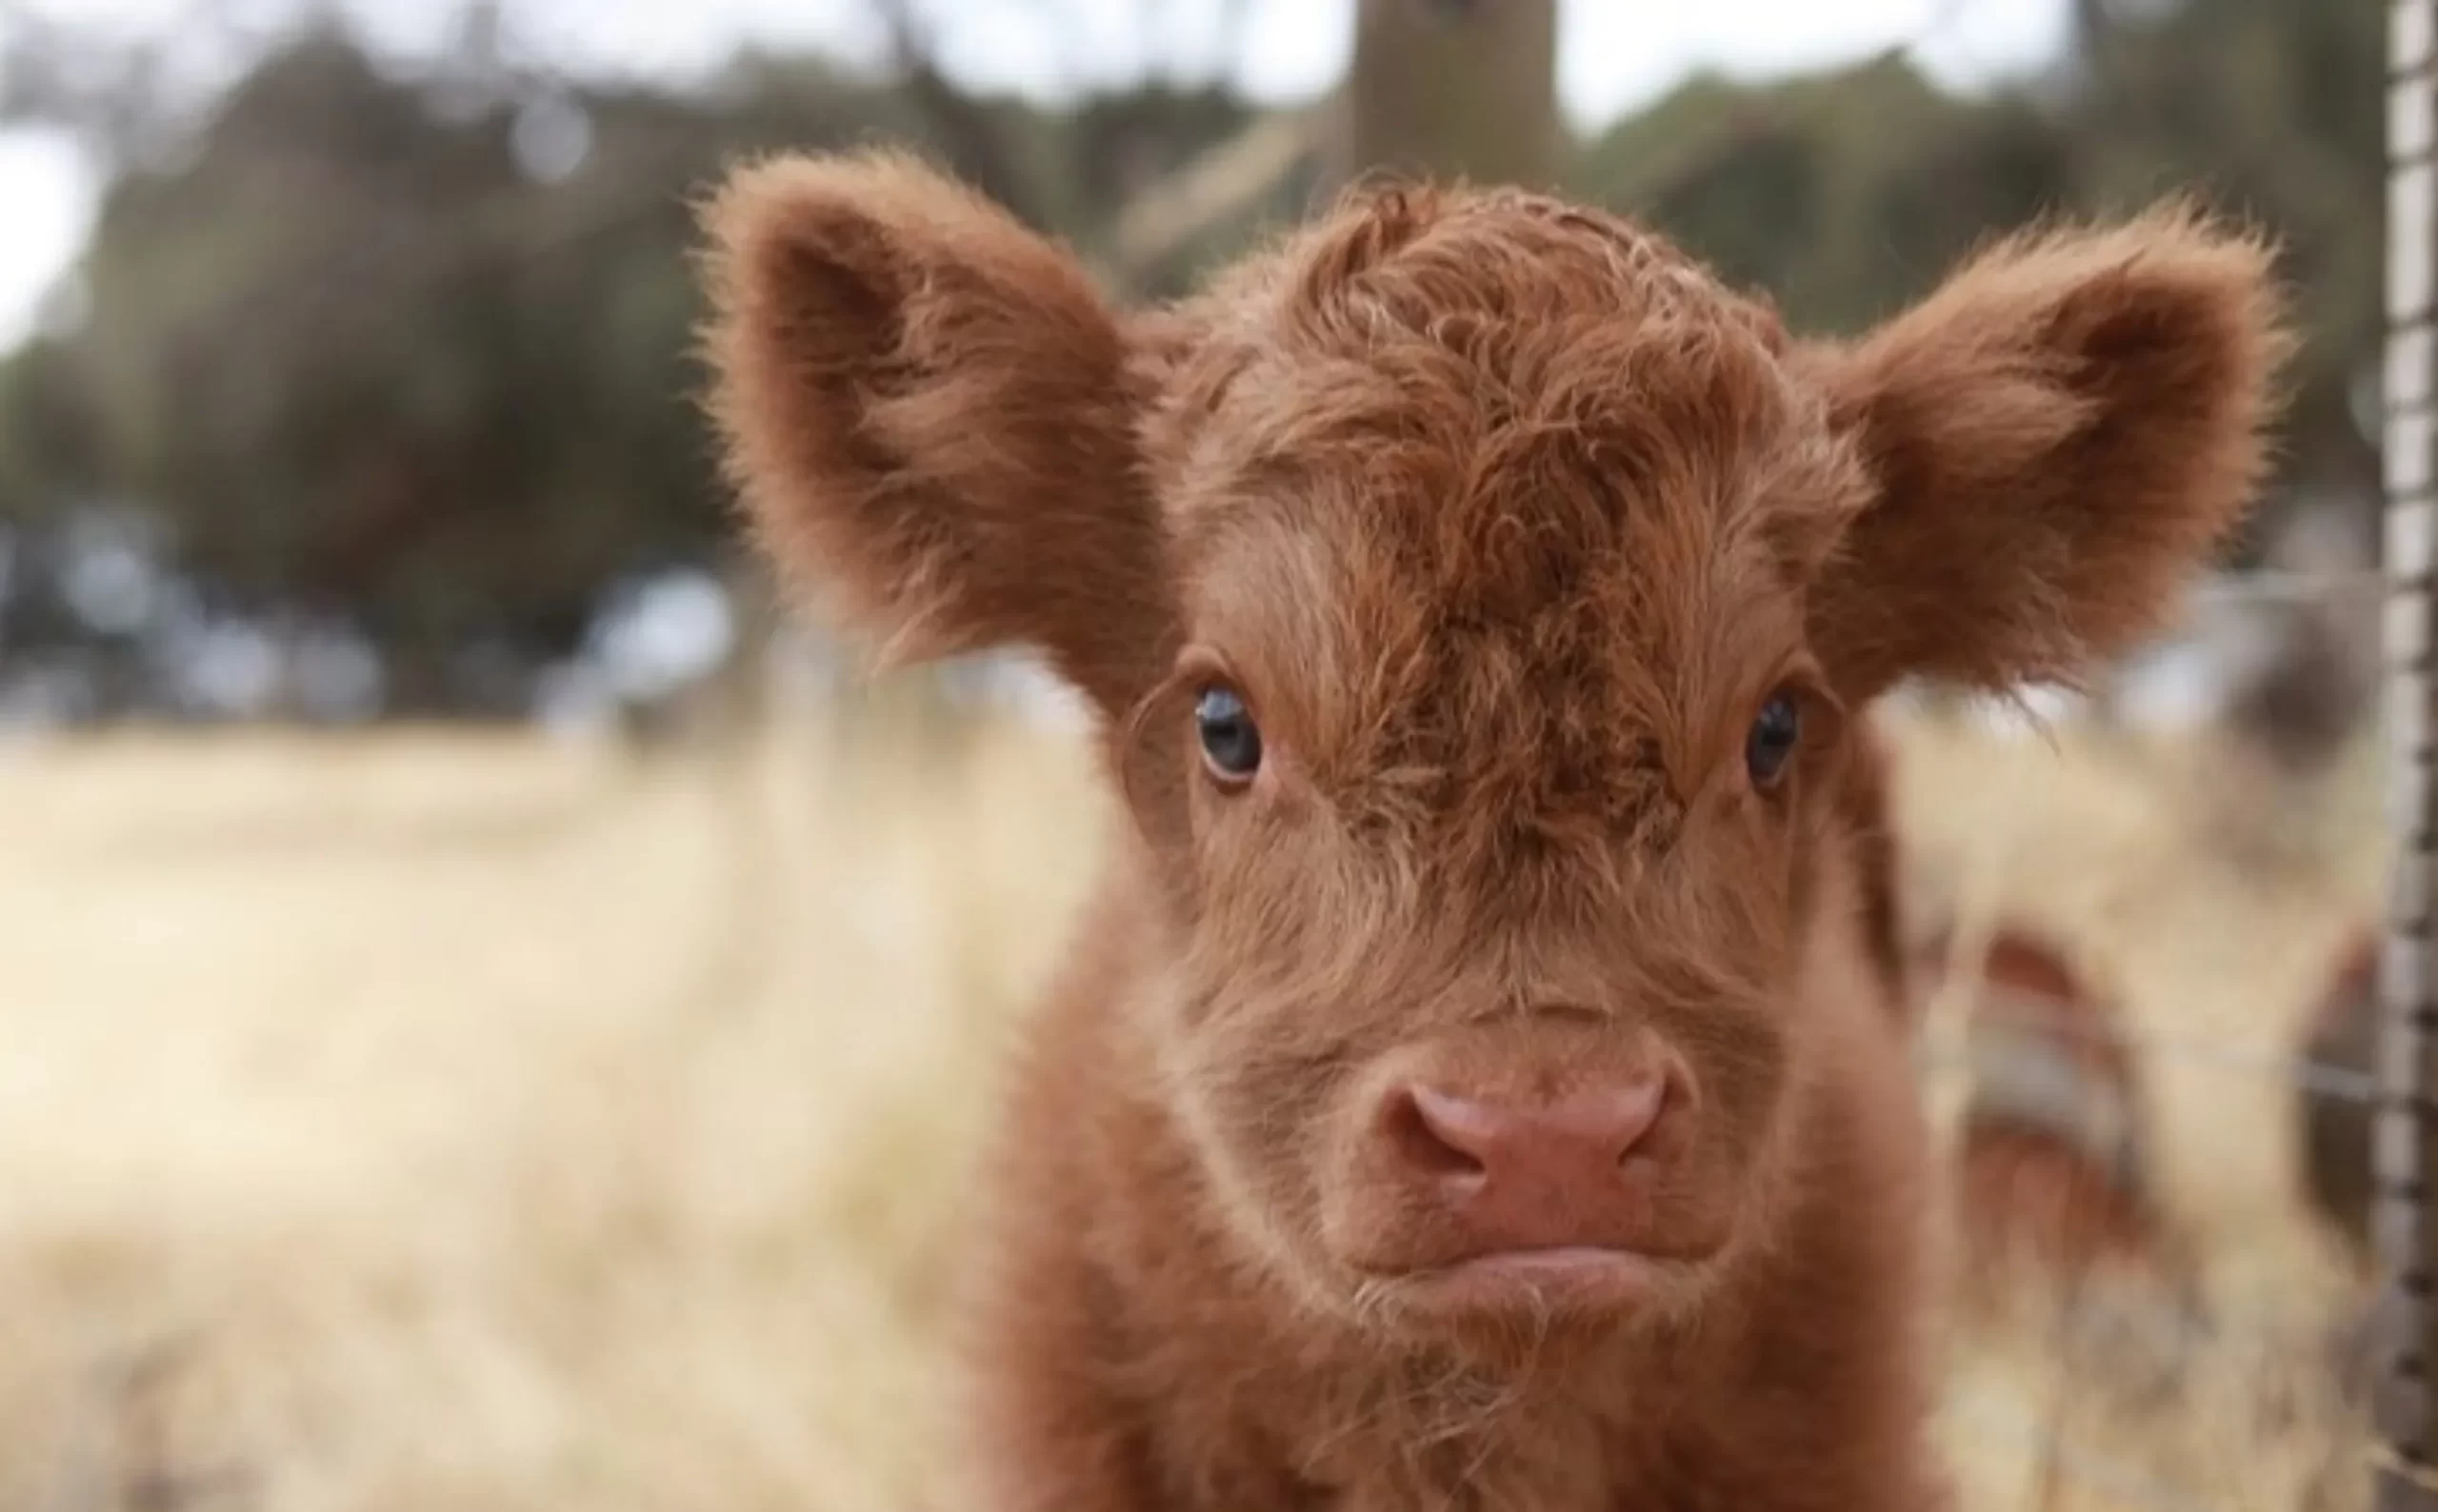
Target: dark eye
x=1772, y=739
x=1231, y=741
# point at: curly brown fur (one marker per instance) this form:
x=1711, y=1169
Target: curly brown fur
x=1482, y=1095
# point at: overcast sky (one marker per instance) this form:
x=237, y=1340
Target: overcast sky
x=1613, y=54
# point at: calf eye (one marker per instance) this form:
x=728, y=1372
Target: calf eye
x=1772, y=741
x=1231, y=741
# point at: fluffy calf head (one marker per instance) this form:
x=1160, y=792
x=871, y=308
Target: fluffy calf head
x=1475, y=593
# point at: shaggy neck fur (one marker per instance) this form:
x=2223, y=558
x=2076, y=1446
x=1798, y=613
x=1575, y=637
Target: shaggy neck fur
x=1122, y=1281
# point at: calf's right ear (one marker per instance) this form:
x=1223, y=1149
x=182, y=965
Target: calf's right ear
x=927, y=414
x=2056, y=437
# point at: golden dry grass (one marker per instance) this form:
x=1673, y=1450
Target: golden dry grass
x=2211, y=908
x=417, y=1121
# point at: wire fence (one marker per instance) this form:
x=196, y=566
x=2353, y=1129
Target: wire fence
x=2022, y=1066
x=2407, y=1238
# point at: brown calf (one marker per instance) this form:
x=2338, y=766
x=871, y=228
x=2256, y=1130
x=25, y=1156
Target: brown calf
x=1471, y=1088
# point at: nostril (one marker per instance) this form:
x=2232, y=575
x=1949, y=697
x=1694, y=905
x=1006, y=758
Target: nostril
x=1430, y=1130
x=1629, y=1116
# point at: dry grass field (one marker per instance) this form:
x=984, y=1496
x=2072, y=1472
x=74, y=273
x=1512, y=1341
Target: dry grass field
x=424, y=1121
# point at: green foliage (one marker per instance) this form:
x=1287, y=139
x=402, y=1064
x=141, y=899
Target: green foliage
x=361, y=356
x=1845, y=193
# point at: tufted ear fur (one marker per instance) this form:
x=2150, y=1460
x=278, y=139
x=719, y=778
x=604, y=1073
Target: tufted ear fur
x=2056, y=436
x=927, y=416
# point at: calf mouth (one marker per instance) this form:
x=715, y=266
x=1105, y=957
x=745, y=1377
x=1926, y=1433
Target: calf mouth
x=1592, y=1284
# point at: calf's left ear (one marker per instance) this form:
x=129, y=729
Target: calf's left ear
x=2053, y=439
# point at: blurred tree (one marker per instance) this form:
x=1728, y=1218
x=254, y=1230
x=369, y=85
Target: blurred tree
x=416, y=345
x=1844, y=193
x=1452, y=87
x=408, y=341
x=412, y=348
x=2274, y=111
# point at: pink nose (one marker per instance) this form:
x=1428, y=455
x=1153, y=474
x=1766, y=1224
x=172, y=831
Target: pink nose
x=1527, y=1177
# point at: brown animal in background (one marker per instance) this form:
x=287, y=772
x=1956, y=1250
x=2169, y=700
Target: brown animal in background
x=2052, y=1159
x=1471, y=1088
x=2342, y=1037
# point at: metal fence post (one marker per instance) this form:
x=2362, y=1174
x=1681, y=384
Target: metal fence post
x=2408, y=1240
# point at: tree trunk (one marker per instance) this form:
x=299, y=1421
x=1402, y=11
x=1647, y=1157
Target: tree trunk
x=1452, y=88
